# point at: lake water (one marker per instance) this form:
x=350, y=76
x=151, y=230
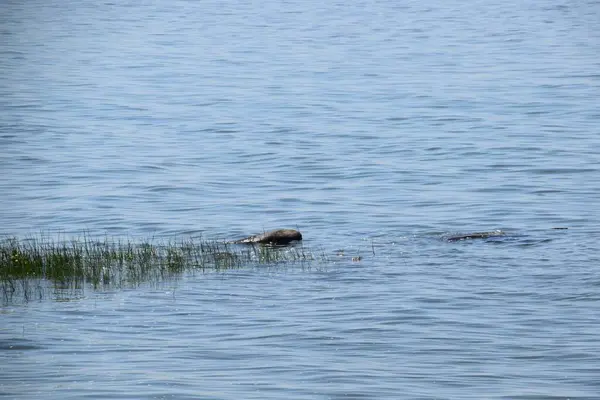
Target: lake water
x=375, y=128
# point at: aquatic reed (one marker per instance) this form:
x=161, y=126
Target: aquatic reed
x=28, y=266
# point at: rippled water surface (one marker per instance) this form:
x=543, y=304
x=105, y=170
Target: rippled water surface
x=377, y=129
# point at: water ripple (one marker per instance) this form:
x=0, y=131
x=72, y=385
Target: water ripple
x=376, y=133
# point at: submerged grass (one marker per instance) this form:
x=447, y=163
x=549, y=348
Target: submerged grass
x=29, y=267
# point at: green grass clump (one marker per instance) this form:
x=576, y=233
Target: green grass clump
x=29, y=267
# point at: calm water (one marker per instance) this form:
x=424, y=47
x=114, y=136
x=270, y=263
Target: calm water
x=373, y=127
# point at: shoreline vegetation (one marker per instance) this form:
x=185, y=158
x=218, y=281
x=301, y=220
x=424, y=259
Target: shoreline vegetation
x=29, y=268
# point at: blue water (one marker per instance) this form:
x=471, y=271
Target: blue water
x=375, y=128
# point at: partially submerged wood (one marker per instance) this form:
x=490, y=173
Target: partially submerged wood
x=276, y=237
x=474, y=235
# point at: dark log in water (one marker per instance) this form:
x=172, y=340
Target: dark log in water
x=474, y=235
x=276, y=237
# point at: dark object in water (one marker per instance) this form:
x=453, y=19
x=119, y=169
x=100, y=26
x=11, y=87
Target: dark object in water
x=276, y=237
x=474, y=235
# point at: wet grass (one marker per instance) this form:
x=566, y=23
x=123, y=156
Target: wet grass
x=31, y=267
